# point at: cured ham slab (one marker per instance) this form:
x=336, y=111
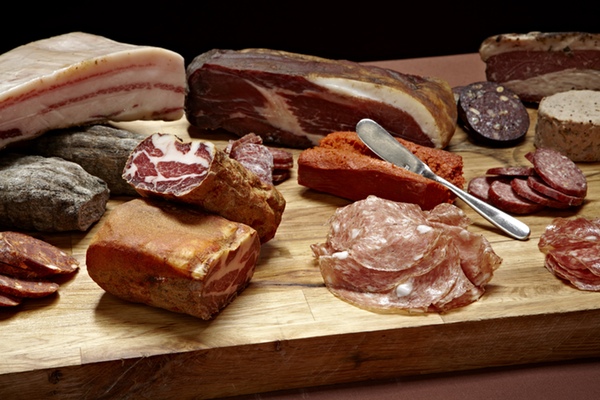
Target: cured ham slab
x=79, y=78
x=294, y=100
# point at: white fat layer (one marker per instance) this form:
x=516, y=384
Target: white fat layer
x=384, y=94
x=340, y=255
x=404, y=289
x=166, y=143
x=561, y=81
x=424, y=228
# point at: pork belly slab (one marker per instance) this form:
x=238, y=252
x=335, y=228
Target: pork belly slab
x=79, y=78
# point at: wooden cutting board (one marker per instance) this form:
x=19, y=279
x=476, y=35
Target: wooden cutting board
x=286, y=330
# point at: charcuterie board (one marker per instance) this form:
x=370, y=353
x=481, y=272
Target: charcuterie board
x=286, y=330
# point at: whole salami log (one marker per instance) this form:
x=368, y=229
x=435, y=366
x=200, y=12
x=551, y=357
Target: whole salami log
x=492, y=114
x=294, y=100
x=171, y=256
x=23, y=256
x=198, y=173
x=101, y=150
x=49, y=194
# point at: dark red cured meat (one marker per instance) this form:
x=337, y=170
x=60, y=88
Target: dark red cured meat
x=492, y=114
x=511, y=171
x=522, y=188
x=9, y=301
x=256, y=158
x=537, y=184
x=24, y=256
x=26, y=288
x=278, y=96
x=480, y=186
x=282, y=159
x=559, y=172
x=503, y=196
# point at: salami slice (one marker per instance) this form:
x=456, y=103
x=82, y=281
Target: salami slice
x=522, y=188
x=10, y=286
x=492, y=114
x=9, y=301
x=511, y=171
x=559, y=172
x=480, y=186
x=503, y=196
x=537, y=184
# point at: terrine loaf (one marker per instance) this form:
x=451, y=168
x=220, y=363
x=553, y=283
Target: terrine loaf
x=569, y=122
x=294, y=100
x=168, y=256
x=538, y=64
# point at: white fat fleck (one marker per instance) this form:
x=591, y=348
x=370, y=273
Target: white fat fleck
x=384, y=94
x=404, y=289
x=340, y=255
x=354, y=233
x=590, y=238
x=424, y=228
x=335, y=227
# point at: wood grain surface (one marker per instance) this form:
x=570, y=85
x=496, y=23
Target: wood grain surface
x=286, y=330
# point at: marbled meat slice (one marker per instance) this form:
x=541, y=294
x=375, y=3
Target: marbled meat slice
x=572, y=251
x=23, y=256
x=198, y=173
x=559, y=172
x=172, y=256
x=392, y=257
x=79, y=78
x=294, y=100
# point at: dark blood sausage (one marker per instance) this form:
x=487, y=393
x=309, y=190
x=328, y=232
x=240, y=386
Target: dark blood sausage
x=511, y=171
x=559, y=172
x=522, y=188
x=16, y=287
x=503, y=196
x=492, y=114
x=540, y=186
x=23, y=256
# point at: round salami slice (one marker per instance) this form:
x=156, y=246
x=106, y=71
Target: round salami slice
x=492, y=114
x=537, y=184
x=522, y=188
x=480, y=186
x=502, y=195
x=559, y=172
x=511, y=171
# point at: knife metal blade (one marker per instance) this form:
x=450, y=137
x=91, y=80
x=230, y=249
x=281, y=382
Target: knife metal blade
x=382, y=143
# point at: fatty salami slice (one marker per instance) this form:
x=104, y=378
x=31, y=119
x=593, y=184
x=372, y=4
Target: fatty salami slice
x=480, y=186
x=559, y=172
x=503, y=196
x=522, y=188
x=492, y=114
x=511, y=171
x=537, y=184
x=16, y=287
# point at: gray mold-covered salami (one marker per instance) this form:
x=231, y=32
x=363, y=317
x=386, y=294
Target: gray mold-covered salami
x=100, y=149
x=492, y=114
x=49, y=194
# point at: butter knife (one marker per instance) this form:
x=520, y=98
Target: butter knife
x=389, y=149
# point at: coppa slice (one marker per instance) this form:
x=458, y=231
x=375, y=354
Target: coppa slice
x=198, y=173
x=80, y=78
x=294, y=100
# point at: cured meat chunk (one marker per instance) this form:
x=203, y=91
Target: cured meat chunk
x=572, y=251
x=392, y=257
x=539, y=64
x=100, y=149
x=569, y=122
x=48, y=194
x=344, y=166
x=559, y=172
x=198, y=173
x=23, y=256
x=492, y=114
x=79, y=78
x=294, y=100
x=173, y=257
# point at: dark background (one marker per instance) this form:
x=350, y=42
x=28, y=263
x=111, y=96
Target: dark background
x=361, y=31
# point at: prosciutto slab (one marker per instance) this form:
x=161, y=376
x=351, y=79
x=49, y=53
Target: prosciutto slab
x=79, y=78
x=392, y=257
x=294, y=100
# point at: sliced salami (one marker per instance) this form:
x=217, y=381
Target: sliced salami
x=537, y=184
x=9, y=301
x=503, y=196
x=511, y=171
x=492, y=114
x=559, y=172
x=522, y=188
x=10, y=286
x=480, y=186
